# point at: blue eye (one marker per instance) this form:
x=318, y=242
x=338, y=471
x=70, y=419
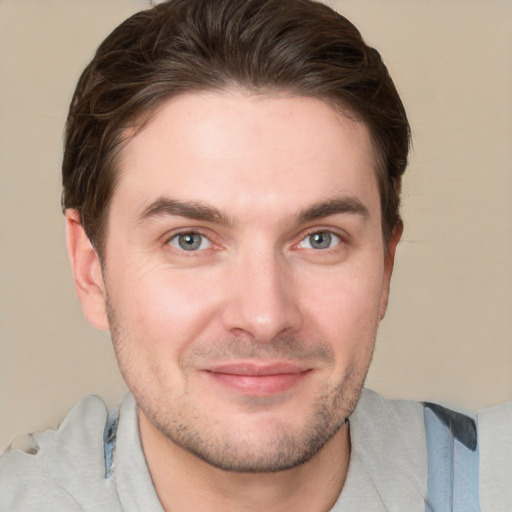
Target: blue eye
x=320, y=240
x=190, y=242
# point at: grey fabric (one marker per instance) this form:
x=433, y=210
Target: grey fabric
x=388, y=465
x=65, y=470
x=495, y=440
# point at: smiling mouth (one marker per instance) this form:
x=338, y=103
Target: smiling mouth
x=258, y=379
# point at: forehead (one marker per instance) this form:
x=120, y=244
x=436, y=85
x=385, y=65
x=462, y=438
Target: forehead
x=235, y=149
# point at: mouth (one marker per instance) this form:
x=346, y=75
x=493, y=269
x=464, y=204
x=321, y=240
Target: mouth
x=263, y=379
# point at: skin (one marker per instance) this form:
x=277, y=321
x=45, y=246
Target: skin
x=246, y=353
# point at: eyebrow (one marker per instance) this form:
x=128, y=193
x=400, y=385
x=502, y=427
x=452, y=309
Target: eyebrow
x=340, y=205
x=163, y=207
x=195, y=210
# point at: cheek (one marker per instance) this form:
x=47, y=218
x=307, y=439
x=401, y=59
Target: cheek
x=345, y=308
x=157, y=315
x=162, y=307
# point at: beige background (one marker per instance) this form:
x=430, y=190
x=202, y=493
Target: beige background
x=448, y=334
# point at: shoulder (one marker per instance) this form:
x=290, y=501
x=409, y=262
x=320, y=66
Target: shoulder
x=374, y=412
x=444, y=454
x=394, y=427
x=59, y=467
x=495, y=440
x=388, y=439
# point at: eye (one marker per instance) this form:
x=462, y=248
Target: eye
x=190, y=241
x=320, y=240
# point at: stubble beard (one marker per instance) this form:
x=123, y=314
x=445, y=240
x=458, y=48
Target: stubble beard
x=280, y=451
x=236, y=450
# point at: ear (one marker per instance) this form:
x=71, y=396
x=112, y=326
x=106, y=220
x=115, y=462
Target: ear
x=87, y=274
x=389, y=262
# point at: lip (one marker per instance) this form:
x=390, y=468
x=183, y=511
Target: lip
x=258, y=379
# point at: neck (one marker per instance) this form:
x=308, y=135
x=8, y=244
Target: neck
x=184, y=482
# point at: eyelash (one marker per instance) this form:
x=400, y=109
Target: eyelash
x=195, y=252
x=190, y=233
x=340, y=239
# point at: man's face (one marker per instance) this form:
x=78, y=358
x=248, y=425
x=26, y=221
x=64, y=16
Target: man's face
x=245, y=274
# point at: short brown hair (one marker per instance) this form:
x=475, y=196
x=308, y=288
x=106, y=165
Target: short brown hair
x=297, y=46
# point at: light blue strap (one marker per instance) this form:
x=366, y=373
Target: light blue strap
x=452, y=461
x=109, y=441
x=465, y=486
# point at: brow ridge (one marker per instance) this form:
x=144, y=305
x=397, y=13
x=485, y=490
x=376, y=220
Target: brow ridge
x=340, y=205
x=195, y=210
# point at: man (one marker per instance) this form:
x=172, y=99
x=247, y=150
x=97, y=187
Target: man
x=231, y=189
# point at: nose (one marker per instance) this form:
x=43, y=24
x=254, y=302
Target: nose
x=262, y=298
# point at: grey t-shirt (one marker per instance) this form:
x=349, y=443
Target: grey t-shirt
x=65, y=470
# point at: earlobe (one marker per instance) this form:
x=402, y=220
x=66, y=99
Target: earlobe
x=87, y=274
x=388, y=267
